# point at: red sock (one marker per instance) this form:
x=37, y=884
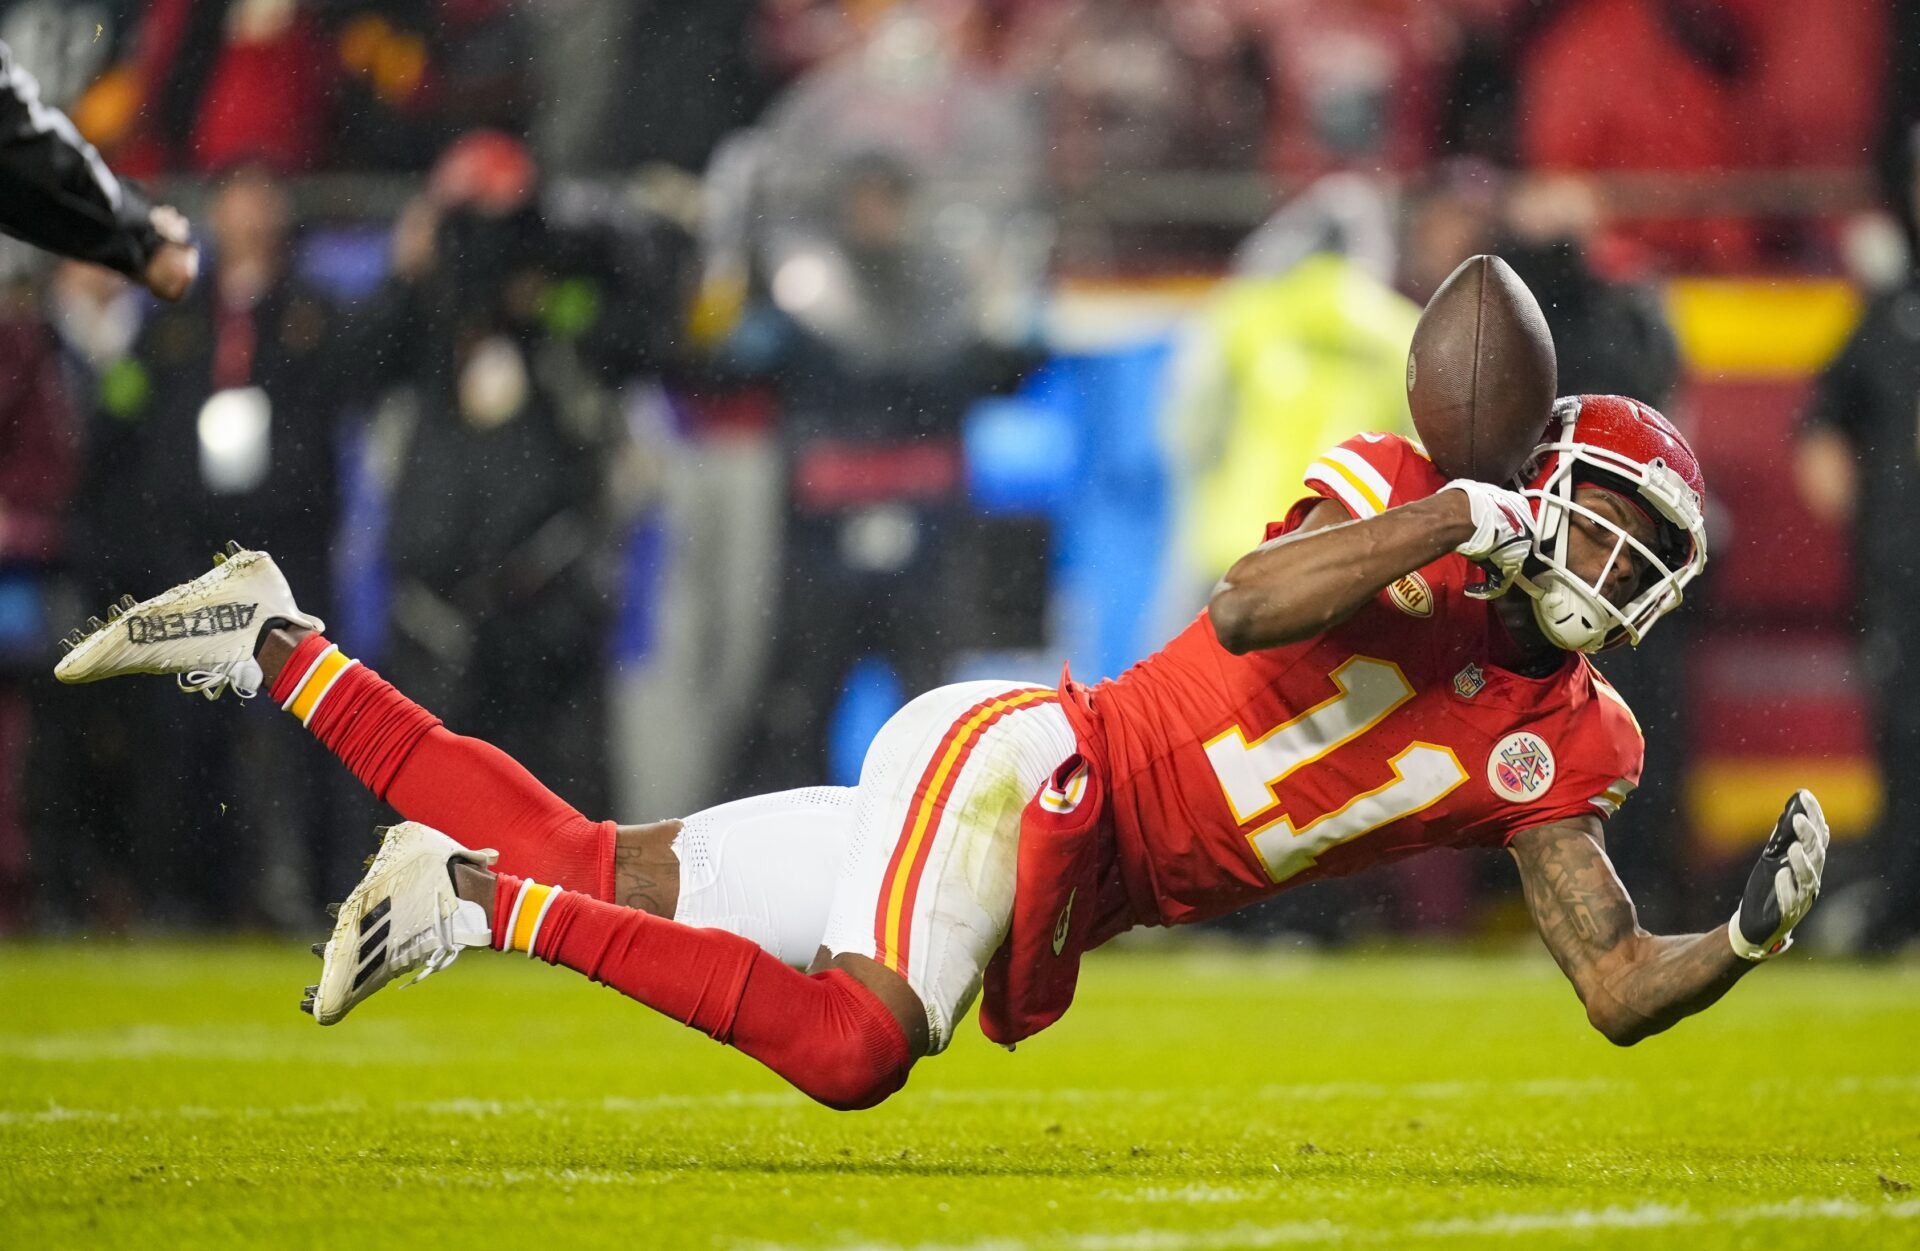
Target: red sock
x=825, y=1033
x=470, y=791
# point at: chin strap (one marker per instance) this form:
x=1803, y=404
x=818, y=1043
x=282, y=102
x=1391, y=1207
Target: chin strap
x=1565, y=614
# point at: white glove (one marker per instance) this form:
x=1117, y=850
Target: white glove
x=1502, y=534
x=1784, y=884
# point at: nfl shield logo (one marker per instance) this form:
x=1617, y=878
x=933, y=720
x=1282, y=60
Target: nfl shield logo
x=1521, y=767
x=1469, y=682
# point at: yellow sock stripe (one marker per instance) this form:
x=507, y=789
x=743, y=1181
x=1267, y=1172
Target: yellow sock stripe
x=326, y=671
x=528, y=909
x=552, y=896
x=958, y=743
x=513, y=914
x=307, y=677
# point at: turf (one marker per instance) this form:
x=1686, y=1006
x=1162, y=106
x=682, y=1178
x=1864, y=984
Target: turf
x=171, y=1096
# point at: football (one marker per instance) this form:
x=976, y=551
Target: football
x=1481, y=372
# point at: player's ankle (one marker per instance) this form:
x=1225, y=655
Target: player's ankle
x=475, y=884
x=275, y=645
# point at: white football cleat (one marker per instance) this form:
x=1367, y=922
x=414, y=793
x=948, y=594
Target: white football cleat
x=201, y=631
x=404, y=915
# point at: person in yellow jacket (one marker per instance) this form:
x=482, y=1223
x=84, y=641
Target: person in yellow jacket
x=1304, y=346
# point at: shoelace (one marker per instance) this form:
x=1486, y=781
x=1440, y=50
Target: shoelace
x=231, y=675
x=447, y=947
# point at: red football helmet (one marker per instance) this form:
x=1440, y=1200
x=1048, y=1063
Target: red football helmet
x=1621, y=445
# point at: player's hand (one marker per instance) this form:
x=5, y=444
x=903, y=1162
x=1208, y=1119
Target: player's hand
x=175, y=263
x=1784, y=884
x=1502, y=534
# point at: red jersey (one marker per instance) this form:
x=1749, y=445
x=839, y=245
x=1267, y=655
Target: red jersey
x=1230, y=778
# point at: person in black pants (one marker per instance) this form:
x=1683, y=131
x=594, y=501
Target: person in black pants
x=1858, y=463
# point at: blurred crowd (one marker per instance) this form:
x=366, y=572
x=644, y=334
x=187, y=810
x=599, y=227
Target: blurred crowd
x=640, y=439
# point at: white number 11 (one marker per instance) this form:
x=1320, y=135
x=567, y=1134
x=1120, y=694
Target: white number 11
x=1250, y=773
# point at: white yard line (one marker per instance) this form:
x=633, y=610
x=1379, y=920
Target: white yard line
x=1036, y=1100
x=1493, y=1225
x=245, y=1045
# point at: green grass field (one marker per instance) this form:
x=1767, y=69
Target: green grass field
x=172, y=1096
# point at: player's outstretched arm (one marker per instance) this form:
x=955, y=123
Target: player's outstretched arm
x=1316, y=576
x=1635, y=984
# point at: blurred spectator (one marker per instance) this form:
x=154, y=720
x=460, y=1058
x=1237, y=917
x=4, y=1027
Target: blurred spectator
x=1610, y=338
x=873, y=252
x=685, y=703
x=237, y=418
x=872, y=342
x=219, y=82
x=1450, y=214
x=1685, y=60
x=36, y=479
x=1356, y=86
x=1813, y=95
x=1731, y=84
x=1858, y=465
x=1899, y=115
x=1135, y=86
x=90, y=771
x=507, y=330
x=623, y=85
x=1303, y=347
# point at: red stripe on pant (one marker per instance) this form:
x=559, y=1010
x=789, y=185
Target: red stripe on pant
x=471, y=791
x=894, y=955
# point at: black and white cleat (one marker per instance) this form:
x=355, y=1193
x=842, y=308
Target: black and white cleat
x=404, y=915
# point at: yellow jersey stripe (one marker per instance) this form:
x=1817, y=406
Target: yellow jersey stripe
x=1357, y=494
x=1363, y=469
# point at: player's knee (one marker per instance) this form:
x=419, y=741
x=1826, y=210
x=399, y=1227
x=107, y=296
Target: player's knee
x=856, y=1085
x=865, y=1057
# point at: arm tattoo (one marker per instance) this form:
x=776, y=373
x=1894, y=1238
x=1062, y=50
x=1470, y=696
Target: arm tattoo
x=1632, y=982
x=1582, y=910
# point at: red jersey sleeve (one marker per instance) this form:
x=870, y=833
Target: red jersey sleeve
x=1600, y=752
x=1366, y=475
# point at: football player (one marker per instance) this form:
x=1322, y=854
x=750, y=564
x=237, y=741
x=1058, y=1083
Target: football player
x=1402, y=665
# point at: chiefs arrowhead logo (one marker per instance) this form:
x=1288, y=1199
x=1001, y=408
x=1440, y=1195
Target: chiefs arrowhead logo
x=1412, y=596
